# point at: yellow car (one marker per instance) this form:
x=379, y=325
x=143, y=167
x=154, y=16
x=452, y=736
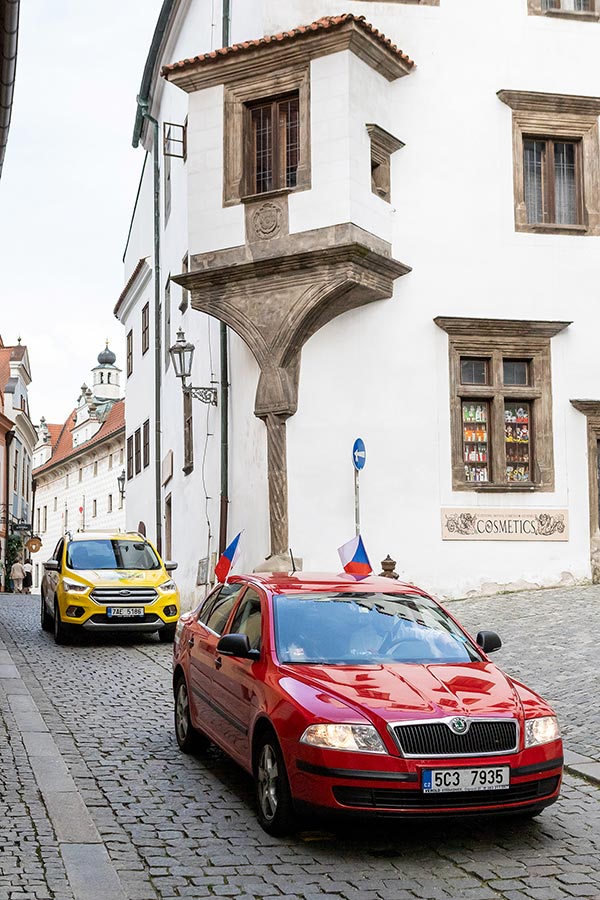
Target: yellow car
x=108, y=582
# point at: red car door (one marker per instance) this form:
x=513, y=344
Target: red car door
x=237, y=683
x=203, y=637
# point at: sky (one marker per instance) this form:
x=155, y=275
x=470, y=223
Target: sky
x=68, y=187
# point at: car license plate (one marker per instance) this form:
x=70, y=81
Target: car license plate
x=124, y=612
x=441, y=781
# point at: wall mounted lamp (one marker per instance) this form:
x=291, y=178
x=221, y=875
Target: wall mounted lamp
x=121, y=483
x=182, y=356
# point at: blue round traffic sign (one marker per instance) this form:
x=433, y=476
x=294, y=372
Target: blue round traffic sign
x=359, y=454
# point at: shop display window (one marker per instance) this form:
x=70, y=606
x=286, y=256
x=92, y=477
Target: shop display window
x=517, y=441
x=475, y=417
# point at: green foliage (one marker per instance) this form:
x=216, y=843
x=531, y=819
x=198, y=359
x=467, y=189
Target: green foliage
x=14, y=549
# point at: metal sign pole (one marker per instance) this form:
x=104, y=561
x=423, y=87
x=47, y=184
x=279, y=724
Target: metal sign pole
x=356, y=503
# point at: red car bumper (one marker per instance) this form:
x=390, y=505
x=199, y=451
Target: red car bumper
x=387, y=785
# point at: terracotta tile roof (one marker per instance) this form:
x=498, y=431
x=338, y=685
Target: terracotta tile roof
x=62, y=442
x=127, y=287
x=295, y=33
x=6, y=355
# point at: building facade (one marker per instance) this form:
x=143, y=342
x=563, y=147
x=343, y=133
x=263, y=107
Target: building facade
x=77, y=465
x=17, y=441
x=402, y=245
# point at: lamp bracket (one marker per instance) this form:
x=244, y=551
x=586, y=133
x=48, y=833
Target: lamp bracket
x=204, y=394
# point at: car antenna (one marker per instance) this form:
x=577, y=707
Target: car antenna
x=293, y=562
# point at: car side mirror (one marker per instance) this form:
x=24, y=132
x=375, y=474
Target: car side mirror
x=488, y=641
x=52, y=565
x=170, y=566
x=237, y=645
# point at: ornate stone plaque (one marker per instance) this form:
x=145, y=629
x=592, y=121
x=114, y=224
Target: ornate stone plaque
x=479, y=524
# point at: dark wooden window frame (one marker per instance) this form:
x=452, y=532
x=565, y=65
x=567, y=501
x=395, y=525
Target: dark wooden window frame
x=537, y=8
x=146, y=443
x=129, y=353
x=130, y=457
x=137, y=451
x=496, y=340
x=549, y=178
x=278, y=147
x=145, y=328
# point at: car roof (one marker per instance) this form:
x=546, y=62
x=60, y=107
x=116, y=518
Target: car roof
x=107, y=536
x=285, y=582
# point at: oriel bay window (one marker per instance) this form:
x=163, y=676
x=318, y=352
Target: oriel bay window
x=273, y=144
x=500, y=403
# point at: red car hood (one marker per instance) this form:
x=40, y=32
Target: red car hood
x=395, y=692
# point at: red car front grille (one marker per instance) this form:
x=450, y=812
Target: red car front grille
x=484, y=737
x=391, y=798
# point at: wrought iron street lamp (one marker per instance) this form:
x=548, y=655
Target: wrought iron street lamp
x=121, y=484
x=182, y=355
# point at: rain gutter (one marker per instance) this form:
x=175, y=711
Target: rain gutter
x=9, y=24
x=224, y=366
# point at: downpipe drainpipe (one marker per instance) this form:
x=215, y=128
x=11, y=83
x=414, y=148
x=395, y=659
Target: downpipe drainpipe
x=224, y=366
x=8, y=438
x=144, y=105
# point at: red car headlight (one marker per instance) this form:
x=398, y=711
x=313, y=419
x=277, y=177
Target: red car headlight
x=541, y=731
x=330, y=736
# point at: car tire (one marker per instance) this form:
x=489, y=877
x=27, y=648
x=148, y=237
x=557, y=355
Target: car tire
x=62, y=632
x=188, y=738
x=167, y=634
x=273, y=795
x=45, y=617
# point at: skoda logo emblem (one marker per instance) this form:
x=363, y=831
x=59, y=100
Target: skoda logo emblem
x=459, y=726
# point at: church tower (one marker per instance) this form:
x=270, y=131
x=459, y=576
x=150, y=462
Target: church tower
x=106, y=375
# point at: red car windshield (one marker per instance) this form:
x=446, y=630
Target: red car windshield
x=332, y=628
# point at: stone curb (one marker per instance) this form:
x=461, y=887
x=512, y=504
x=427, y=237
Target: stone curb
x=89, y=869
x=583, y=766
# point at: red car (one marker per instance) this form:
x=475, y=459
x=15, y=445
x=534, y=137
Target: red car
x=362, y=697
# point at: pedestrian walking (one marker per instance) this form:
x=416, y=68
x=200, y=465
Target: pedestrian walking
x=17, y=574
x=28, y=578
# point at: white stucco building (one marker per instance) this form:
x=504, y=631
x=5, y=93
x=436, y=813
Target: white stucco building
x=404, y=246
x=17, y=440
x=77, y=464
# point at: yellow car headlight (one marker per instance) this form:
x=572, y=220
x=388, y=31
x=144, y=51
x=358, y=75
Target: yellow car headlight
x=74, y=587
x=168, y=585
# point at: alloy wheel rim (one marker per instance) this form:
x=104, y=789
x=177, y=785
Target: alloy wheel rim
x=268, y=782
x=182, y=712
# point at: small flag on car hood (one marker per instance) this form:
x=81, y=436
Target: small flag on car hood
x=227, y=560
x=354, y=557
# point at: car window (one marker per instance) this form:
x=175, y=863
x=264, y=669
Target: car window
x=248, y=619
x=105, y=553
x=370, y=627
x=217, y=614
x=58, y=550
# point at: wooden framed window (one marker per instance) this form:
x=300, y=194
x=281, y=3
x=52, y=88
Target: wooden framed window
x=552, y=181
x=145, y=328
x=146, y=443
x=588, y=10
x=556, y=162
x=188, y=433
x=129, y=354
x=501, y=403
x=94, y=508
x=130, y=457
x=137, y=451
x=273, y=146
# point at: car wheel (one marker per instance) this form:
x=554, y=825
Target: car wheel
x=167, y=634
x=275, y=807
x=45, y=617
x=62, y=632
x=188, y=737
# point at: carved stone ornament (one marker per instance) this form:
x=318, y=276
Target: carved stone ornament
x=267, y=221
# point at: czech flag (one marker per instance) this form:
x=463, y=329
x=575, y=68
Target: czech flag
x=227, y=560
x=354, y=557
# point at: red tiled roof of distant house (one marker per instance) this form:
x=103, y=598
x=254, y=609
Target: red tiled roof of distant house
x=63, y=448
x=6, y=354
x=293, y=34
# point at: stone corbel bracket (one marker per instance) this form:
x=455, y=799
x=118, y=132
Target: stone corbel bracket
x=275, y=299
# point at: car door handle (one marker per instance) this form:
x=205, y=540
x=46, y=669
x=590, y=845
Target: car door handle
x=190, y=642
x=218, y=662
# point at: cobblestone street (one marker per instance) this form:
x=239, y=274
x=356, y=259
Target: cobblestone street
x=175, y=826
